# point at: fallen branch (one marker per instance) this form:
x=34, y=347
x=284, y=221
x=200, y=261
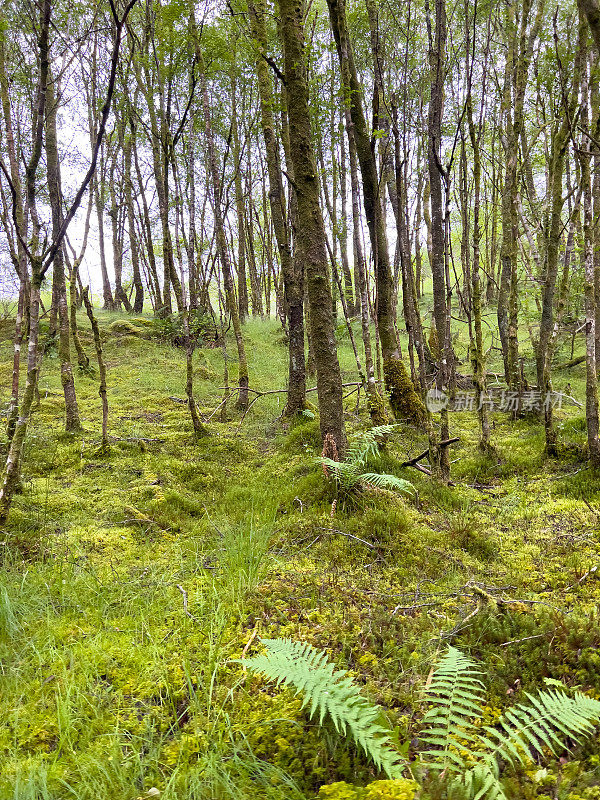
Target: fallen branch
x=583, y=578
x=413, y=462
x=572, y=363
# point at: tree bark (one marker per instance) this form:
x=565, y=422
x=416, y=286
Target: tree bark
x=222, y=248
x=404, y=400
x=72, y=422
x=292, y=272
x=310, y=246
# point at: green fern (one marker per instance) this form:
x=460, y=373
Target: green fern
x=386, y=481
x=545, y=722
x=350, y=473
x=456, y=694
x=467, y=754
x=481, y=782
x=367, y=445
x=345, y=474
x=330, y=692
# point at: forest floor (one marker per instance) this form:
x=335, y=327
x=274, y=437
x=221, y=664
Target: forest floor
x=130, y=582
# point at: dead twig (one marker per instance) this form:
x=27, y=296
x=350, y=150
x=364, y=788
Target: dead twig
x=525, y=639
x=583, y=578
x=185, y=602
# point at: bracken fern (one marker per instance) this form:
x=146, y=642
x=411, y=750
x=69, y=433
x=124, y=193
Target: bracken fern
x=467, y=753
x=455, y=693
x=329, y=692
x=350, y=473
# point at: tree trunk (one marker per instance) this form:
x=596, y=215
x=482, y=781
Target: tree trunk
x=215, y=178
x=105, y=447
x=138, y=303
x=292, y=272
x=239, y=204
x=310, y=250
x=73, y=422
x=404, y=400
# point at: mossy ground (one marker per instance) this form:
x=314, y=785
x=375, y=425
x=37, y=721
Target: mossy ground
x=131, y=581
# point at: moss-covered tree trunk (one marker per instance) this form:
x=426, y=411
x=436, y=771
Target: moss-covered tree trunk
x=310, y=248
x=82, y=358
x=291, y=269
x=404, y=400
x=591, y=382
x=12, y=469
x=10, y=479
x=138, y=301
x=475, y=327
x=440, y=460
x=102, y=391
x=20, y=262
x=554, y=232
x=520, y=41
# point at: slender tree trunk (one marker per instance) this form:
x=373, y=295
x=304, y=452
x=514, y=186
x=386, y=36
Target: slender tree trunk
x=12, y=469
x=98, y=190
x=147, y=228
x=21, y=222
x=591, y=382
x=375, y=402
x=291, y=268
x=82, y=358
x=310, y=230
x=404, y=400
x=199, y=429
x=138, y=303
x=215, y=178
x=13, y=410
x=73, y=422
x=239, y=204
x=560, y=142
x=475, y=329
x=105, y=447
x=343, y=230
x=440, y=460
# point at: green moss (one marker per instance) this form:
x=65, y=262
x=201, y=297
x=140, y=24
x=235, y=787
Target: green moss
x=400, y=789
x=123, y=327
x=405, y=403
x=115, y=681
x=376, y=408
x=434, y=346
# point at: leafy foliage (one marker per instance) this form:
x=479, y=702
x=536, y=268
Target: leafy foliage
x=330, y=692
x=350, y=473
x=455, y=693
x=468, y=756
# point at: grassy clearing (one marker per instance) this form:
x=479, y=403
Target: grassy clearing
x=130, y=582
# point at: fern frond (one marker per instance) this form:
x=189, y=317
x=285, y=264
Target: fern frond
x=455, y=694
x=546, y=721
x=328, y=691
x=367, y=444
x=481, y=782
x=345, y=474
x=386, y=481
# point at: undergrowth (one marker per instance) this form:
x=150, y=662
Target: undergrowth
x=130, y=583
